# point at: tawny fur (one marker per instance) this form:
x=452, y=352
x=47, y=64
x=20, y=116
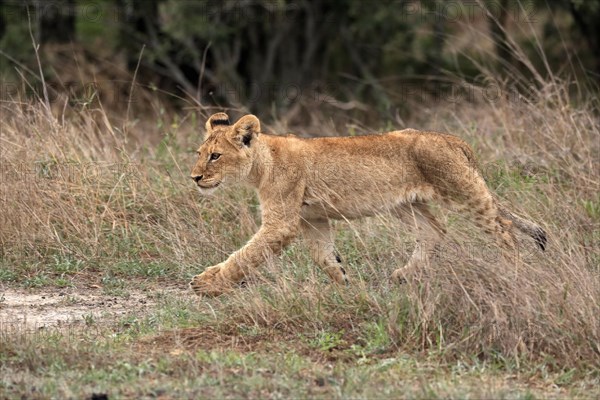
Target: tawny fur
x=303, y=183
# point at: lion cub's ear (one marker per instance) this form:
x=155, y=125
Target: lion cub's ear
x=246, y=130
x=217, y=119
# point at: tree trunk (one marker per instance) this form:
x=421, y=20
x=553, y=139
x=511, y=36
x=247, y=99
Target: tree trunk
x=587, y=23
x=498, y=31
x=2, y=20
x=140, y=22
x=56, y=21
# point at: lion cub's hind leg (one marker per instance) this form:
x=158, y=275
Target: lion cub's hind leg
x=318, y=239
x=470, y=193
x=476, y=200
x=486, y=216
x=429, y=233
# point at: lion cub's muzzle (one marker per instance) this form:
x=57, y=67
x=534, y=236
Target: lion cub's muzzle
x=203, y=185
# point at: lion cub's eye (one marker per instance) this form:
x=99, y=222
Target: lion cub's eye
x=214, y=156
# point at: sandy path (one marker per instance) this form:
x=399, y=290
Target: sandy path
x=44, y=308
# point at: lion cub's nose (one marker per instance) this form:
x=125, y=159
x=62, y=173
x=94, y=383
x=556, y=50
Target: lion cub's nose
x=197, y=178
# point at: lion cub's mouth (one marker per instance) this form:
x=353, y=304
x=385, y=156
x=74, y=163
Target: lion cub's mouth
x=209, y=187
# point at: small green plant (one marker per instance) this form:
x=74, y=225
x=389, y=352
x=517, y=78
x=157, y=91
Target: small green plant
x=249, y=331
x=38, y=280
x=66, y=264
x=7, y=275
x=114, y=286
x=503, y=177
x=63, y=282
x=566, y=377
x=376, y=337
x=140, y=268
x=89, y=319
x=327, y=341
x=592, y=208
x=112, y=282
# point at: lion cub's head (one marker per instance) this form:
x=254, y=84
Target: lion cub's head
x=227, y=152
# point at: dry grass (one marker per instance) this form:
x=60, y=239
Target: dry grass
x=83, y=189
x=91, y=199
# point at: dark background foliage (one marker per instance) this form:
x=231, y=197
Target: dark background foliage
x=284, y=55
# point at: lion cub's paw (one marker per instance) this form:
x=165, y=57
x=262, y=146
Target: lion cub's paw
x=210, y=283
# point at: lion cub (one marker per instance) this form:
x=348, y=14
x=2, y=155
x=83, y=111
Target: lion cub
x=303, y=183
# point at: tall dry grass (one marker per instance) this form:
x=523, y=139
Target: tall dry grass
x=83, y=188
x=87, y=188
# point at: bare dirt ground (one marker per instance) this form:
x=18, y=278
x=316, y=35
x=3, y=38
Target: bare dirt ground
x=51, y=308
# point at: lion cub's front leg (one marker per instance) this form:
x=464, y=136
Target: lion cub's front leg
x=211, y=282
x=223, y=277
x=280, y=222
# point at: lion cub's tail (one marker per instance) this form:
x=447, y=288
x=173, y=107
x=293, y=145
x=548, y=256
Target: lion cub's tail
x=528, y=227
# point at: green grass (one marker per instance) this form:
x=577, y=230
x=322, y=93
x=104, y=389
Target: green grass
x=8, y=275
x=326, y=341
x=338, y=344
x=129, y=358
x=592, y=208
